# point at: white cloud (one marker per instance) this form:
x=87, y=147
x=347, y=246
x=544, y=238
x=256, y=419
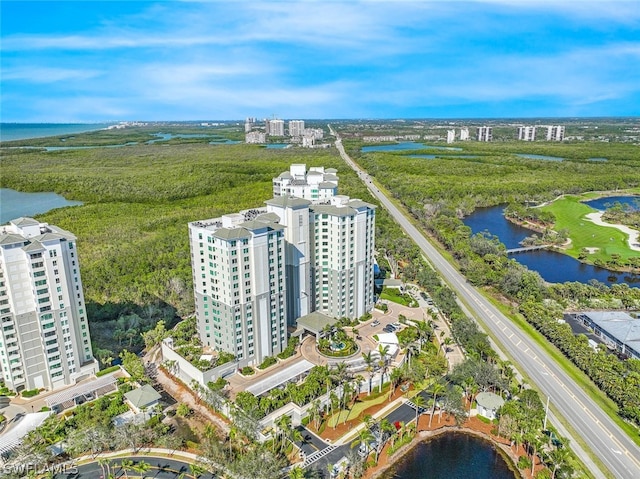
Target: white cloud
x=47, y=75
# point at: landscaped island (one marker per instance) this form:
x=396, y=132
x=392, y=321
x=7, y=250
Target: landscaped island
x=577, y=229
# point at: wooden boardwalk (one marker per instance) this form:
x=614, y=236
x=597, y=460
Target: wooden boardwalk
x=527, y=248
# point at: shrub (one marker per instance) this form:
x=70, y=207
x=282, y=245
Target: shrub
x=107, y=371
x=247, y=371
x=268, y=361
x=524, y=462
x=30, y=393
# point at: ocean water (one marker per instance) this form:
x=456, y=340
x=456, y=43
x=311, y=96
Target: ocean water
x=23, y=131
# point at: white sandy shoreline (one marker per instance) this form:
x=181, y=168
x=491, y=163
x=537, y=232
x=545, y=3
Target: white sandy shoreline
x=634, y=235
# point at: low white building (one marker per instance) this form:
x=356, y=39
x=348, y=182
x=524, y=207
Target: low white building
x=488, y=404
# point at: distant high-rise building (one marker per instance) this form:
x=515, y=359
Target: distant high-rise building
x=316, y=185
x=44, y=340
x=296, y=127
x=248, y=124
x=555, y=133
x=527, y=133
x=274, y=127
x=257, y=137
x=308, y=141
x=484, y=133
x=451, y=136
x=464, y=134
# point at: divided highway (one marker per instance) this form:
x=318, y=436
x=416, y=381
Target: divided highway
x=607, y=441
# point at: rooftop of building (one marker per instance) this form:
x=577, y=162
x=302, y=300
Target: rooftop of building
x=347, y=208
x=618, y=324
x=489, y=400
x=143, y=396
x=240, y=225
x=288, y=201
x=28, y=230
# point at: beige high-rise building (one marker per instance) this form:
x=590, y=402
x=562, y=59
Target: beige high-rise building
x=274, y=127
x=44, y=340
x=296, y=127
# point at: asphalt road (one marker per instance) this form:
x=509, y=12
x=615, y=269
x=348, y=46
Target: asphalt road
x=619, y=454
x=161, y=468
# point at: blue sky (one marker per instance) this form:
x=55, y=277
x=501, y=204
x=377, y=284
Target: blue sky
x=187, y=60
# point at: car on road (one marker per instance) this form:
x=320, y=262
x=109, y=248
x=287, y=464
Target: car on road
x=375, y=323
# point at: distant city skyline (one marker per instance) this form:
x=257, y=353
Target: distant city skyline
x=86, y=61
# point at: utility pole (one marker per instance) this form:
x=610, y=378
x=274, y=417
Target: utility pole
x=546, y=413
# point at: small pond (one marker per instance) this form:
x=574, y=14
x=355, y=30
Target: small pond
x=607, y=202
x=452, y=456
x=539, y=157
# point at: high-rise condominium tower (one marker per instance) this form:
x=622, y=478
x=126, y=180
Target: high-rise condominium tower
x=257, y=271
x=527, y=133
x=296, y=127
x=484, y=133
x=316, y=185
x=44, y=340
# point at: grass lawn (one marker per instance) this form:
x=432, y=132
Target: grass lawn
x=570, y=213
x=392, y=294
x=357, y=409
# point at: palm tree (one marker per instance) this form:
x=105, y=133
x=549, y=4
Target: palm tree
x=436, y=388
x=196, y=470
x=559, y=457
x=366, y=437
x=369, y=360
x=424, y=332
x=126, y=465
x=410, y=351
x=283, y=423
x=141, y=467
x=383, y=350
x=105, y=466
x=420, y=403
x=296, y=473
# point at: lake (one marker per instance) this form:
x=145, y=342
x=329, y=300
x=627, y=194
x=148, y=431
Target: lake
x=451, y=456
x=406, y=145
x=552, y=266
x=15, y=204
x=608, y=201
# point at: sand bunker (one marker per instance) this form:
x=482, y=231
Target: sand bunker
x=634, y=235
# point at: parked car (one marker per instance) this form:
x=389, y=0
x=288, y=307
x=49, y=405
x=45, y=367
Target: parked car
x=389, y=329
x=397, y=325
